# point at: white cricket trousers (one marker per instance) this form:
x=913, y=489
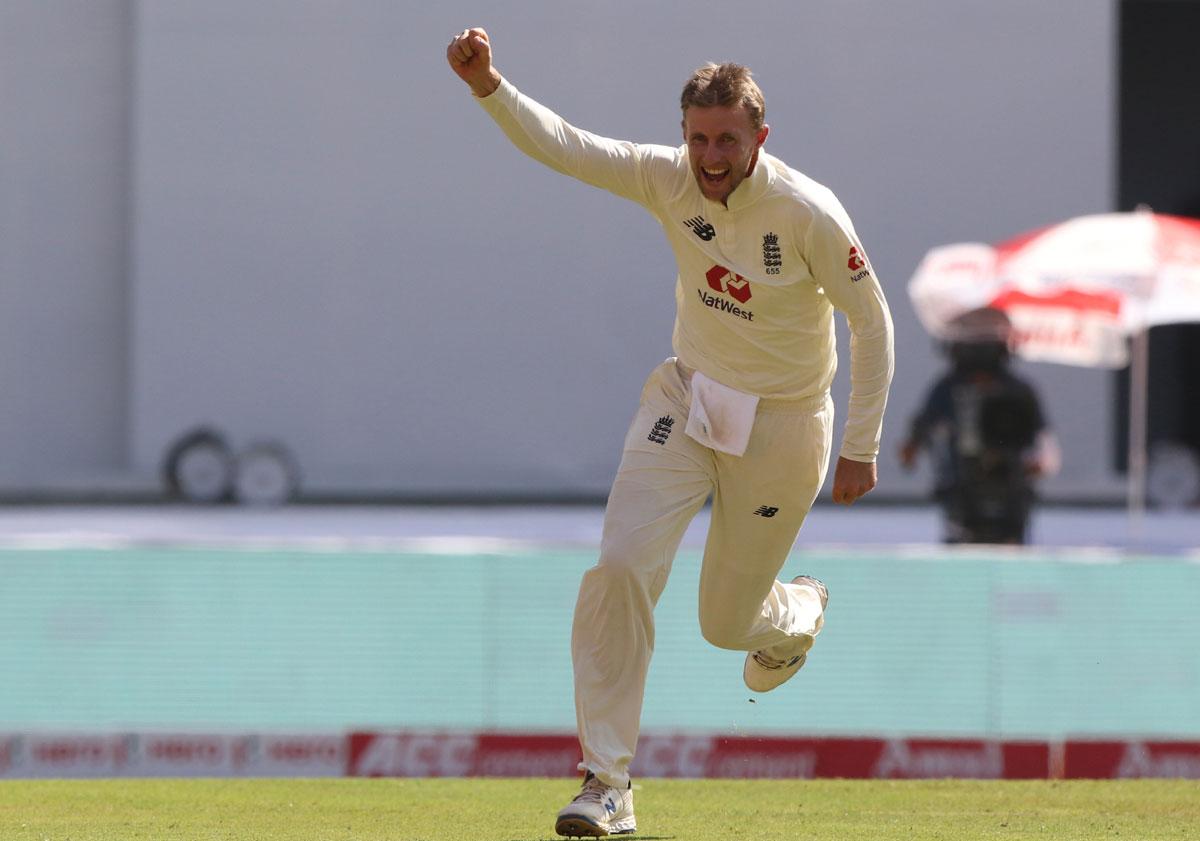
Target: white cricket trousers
x=759, y=501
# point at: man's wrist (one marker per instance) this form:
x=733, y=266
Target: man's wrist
x=487, y=87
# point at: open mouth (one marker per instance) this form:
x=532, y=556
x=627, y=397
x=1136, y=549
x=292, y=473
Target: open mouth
x=714, y=176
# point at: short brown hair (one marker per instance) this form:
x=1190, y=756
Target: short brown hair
x=725, y=84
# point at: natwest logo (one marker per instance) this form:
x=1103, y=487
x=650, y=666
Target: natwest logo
x=734, y=285
x=857, y=265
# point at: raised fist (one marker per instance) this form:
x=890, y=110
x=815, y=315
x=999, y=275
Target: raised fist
x=470, y=56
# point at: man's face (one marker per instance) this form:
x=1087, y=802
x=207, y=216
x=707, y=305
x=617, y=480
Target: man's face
x=722, y=147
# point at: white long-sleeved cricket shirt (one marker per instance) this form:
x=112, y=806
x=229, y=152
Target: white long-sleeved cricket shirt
x=758, y=279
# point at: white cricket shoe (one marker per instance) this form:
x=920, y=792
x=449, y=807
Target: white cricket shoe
x=598, y=810
x=763, y=672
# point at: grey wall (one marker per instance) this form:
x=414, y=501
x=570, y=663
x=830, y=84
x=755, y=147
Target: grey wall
x=332, y=245
x=64, y=229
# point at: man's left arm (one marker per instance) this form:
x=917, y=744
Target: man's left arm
x=839, y=264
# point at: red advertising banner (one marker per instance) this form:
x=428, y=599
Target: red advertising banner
x=514, y=755
x=418, y=753
x=406, y=754
x=443, y=754
x=782, y=757
x=1121, y=760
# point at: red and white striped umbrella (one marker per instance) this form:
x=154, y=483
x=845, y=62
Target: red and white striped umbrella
x=1073, y=291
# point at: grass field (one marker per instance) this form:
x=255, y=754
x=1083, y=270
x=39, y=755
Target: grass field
x=523, y=810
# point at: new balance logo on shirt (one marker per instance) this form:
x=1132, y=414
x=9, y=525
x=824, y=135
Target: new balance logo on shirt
x=701, y=228
x=767, y=511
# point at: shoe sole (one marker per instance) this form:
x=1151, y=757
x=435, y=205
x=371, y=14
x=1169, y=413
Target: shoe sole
x=823, y=592
x=791, y=673
x=577, y=826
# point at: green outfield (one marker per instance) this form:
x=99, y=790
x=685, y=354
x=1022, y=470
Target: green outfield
x=523, y=810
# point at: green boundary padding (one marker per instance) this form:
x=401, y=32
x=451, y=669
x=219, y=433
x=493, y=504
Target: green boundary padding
x=916, y=642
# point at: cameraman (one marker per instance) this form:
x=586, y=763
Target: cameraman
x=986, y=434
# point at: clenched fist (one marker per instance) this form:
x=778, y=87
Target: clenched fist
x=470, y=56
x=852, y=479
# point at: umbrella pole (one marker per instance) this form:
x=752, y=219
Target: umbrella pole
x=1139, y=376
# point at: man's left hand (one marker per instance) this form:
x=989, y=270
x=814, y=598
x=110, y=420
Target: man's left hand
x=852, y=479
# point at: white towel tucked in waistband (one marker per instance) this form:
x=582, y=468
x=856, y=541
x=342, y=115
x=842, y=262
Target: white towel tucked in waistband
x=720, y=417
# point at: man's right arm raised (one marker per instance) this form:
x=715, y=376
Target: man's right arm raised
x=613, y=165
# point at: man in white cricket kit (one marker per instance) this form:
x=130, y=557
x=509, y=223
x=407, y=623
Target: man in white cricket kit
x=741, y=413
